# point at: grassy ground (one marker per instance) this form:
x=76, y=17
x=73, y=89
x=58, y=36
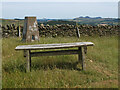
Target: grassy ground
x=0, y=63
x=11, y=21
x=58, y=71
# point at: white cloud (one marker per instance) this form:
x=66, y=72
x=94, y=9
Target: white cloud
x=60, y=0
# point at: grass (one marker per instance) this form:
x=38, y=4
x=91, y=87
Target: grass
x=0, y=63
x=11, y=21
x=59, y=71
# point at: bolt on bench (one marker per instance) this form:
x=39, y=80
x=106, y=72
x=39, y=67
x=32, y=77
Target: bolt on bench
x=82, y=49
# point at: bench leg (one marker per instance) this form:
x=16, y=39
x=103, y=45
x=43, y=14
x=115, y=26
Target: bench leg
x=28, y=61
x=81, y=57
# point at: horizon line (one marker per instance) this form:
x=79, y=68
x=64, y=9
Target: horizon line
x=61, y=18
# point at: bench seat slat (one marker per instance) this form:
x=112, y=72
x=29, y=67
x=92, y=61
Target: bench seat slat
x=54, y=53
x=53, y=46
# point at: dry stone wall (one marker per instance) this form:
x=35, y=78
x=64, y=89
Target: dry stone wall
x=64, y=30
x=10, y=30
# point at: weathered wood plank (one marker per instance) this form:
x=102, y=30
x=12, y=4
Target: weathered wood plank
x=81, y=57
x=54, y=53
x=85, y=49
x=24, y=53
x=28, y=61
x=53, y=46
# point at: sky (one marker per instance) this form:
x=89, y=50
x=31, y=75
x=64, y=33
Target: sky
x=59, y=0
x=59, y=9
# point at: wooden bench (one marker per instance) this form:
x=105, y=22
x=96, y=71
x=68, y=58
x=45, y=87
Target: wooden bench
x=82, y=49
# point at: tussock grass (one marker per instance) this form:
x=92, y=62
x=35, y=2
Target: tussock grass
x=61, y=71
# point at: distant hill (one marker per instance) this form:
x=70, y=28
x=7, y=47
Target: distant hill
x=87, y=17
x=54, y=22
x=96, y=20
x=12, y=21
x=80, y=20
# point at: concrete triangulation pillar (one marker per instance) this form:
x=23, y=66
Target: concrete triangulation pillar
x=30, y=30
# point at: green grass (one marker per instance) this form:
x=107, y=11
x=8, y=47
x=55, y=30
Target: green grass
x=59, y=71
x=0, y=63
x=11, y=21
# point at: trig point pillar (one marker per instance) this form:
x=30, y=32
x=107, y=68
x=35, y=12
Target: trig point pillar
x=30, y=30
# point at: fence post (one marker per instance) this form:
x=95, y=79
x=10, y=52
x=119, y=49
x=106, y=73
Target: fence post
x=77, y=31
x=19, y=33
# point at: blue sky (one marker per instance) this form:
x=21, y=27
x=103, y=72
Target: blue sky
x=60, y=0
x=59, y=10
